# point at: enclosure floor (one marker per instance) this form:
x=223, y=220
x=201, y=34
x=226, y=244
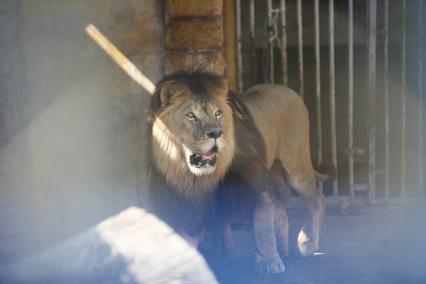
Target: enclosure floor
x=377, y=244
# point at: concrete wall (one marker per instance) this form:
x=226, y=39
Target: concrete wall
x=72, y=153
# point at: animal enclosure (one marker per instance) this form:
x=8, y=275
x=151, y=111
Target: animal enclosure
x=73, y=135
x=359, y=67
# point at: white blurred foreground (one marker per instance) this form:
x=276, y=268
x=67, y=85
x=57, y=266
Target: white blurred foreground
x=131, y=247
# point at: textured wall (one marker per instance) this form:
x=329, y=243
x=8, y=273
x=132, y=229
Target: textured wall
x=194, y=35
x=73, y=149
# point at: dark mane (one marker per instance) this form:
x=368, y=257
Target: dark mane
x=232, y=194
x=197, y=81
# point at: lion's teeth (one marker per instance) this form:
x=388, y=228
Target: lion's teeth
x=208, y=156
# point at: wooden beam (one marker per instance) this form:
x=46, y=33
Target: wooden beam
x=229, y=36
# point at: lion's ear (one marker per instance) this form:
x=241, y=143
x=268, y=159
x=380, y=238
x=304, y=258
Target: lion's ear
x=170, y=91
x=225, y=86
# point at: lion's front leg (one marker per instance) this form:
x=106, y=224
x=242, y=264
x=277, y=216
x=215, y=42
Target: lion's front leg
x=267, y=257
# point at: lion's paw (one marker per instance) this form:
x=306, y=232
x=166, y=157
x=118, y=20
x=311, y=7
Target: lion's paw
x=305, y=245
x=306, y=248
x=269, y=266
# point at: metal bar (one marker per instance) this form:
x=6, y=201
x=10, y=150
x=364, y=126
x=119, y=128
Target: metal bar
x=253, y=43
x=270, y=42
x=403, y=100
x=372, y=13
x=351, y=97
x=284, y=41
x=420, y=95
x=300, y=46
x=318, y=84
x=386, y=96
x=239, y=57
x=333, y=95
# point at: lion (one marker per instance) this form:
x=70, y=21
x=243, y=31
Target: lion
x=212, y=149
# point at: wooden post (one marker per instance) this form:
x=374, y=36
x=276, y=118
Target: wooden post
x=229, y=24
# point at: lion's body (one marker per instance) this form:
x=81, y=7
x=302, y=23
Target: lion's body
x=282, y=119
x=262, y=134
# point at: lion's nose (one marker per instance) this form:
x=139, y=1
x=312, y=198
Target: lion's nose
x=214, y=134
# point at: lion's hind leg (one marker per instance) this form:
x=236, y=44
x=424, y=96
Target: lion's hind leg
x=305, y=184
x=282, y=193
x=281, y=229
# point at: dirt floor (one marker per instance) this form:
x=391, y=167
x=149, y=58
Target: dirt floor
x=383, y=243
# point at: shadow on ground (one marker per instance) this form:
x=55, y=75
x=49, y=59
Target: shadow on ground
x=376, y=244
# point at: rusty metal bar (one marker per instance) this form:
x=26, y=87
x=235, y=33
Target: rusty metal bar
x=372, y=30
x=270, y=42
x=420, y=103
x=318, y=83
x=239, y=56
x=332, y=94
x=284, y=41
x=300, y=46
x=386, y=96
x=351, y=96
x=253, y=43
x=403, y=100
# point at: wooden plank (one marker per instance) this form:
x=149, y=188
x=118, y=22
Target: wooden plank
x=229, y=37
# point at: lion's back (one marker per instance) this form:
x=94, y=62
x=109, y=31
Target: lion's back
x=280, y=116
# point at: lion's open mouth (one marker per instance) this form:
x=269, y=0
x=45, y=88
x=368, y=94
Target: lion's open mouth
x=203, y=160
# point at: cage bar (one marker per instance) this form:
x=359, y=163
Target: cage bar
x=420, y=94
x=332, y=94
x=239, y=56
x=386, y=96
x=300, y=46
x=270, y=42
x=403, y=100
x=318, y=83
x=253, y=43
x=284, y=41
x=351, y=96
x=372, y=30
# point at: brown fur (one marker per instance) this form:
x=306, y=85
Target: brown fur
x=282, y=119
x=176, y=172
x=266, y=134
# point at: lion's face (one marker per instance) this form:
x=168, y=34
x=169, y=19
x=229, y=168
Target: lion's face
x=196, y=119
x=200, y=128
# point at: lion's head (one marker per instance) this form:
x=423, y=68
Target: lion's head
x=192, y=130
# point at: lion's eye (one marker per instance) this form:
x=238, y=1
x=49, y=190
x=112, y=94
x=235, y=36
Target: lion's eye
x=218, y=113
x=190, y=116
